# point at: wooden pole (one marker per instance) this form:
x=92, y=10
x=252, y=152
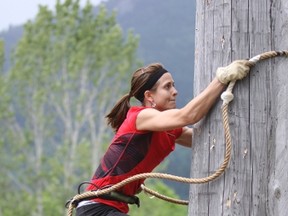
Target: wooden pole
x=256, y=181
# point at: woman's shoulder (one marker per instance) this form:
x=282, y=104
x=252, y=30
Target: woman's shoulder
x=136, y=109
x=129, y=123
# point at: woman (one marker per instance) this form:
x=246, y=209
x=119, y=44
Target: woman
x=146, y=134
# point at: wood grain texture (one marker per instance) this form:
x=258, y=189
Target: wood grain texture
x=255, y=183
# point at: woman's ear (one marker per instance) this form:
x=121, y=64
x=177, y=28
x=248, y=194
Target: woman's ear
x=148, y=96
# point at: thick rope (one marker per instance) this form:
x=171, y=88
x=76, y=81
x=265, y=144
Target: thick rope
x=163, y=197
x=226, y=96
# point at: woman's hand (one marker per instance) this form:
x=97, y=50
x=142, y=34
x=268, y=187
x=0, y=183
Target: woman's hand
x=235, y=71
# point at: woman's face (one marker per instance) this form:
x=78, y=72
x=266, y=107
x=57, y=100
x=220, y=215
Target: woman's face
x=165, y=94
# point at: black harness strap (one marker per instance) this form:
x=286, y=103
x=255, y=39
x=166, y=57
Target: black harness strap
x=113, y=195
x=117, y=196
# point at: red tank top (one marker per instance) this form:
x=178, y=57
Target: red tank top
x=132, y=152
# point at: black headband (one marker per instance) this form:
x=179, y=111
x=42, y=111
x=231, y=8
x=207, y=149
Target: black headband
x=154, y=77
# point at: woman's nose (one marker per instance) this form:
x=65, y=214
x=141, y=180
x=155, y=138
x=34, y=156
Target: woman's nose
x=175, y=92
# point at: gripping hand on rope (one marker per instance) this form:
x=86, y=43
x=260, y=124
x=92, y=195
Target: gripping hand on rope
x=235, y=71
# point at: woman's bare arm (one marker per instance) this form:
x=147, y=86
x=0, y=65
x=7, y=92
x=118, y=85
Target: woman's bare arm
x=186, y=137
x=192, y=112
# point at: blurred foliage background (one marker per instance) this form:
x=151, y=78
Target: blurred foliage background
x=60, y=73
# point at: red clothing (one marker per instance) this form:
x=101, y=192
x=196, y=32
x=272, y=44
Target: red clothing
x=132, y=152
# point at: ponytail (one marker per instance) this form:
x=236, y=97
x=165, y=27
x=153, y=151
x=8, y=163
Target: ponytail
x=118, y=114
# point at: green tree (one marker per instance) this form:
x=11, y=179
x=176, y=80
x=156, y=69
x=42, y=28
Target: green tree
x=1, y=55
x=66, y=71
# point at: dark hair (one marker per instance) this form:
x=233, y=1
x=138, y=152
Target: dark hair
x=140, y=82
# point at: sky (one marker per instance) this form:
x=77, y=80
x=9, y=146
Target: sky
x=18, y=12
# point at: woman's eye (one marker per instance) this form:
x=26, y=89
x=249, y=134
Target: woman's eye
x=169, y=86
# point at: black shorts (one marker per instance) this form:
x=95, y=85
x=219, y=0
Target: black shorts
x=98, y=209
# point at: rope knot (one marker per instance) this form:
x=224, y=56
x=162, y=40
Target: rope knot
x=73, y=202
x=227, y=96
